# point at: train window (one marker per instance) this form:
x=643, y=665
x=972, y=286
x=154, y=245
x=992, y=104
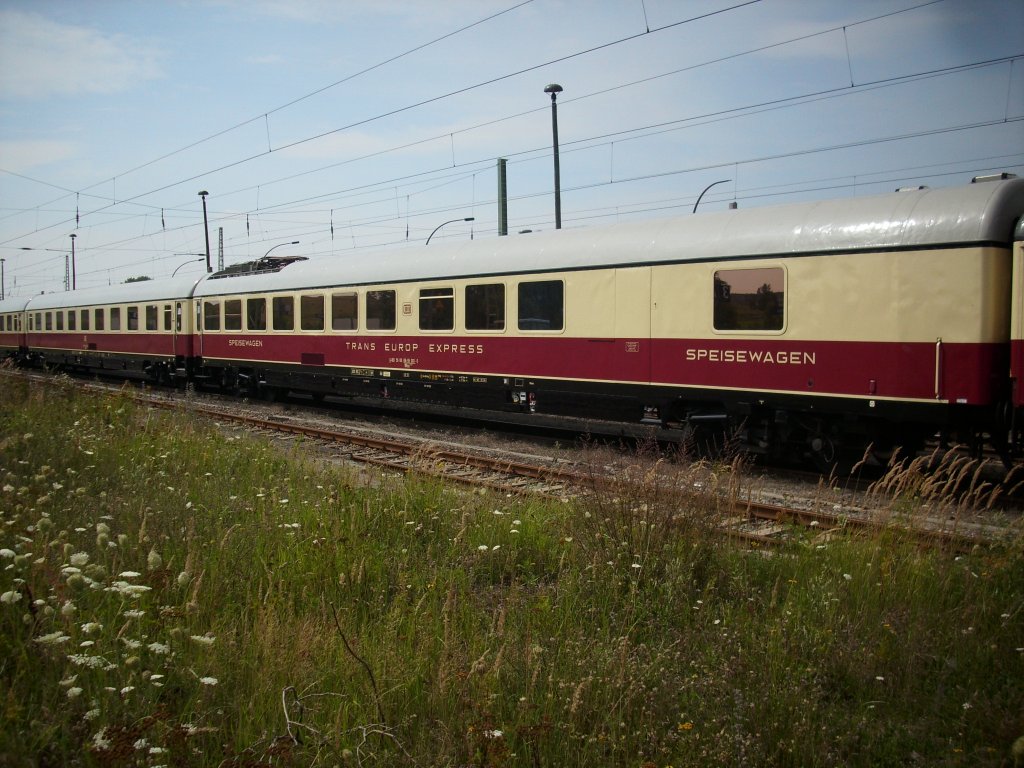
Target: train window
x=39, y=321
x=211, y=315
x=284, y=313
x=152, y=317
x=60, y=320
x=380, y=310
x=85, y=319
x=49, y=321
x=167, y=317
x=311, y=309
x=437, y=309
x=256, y=314
x=133, y=318
x=485, y=307
x=233, y=315
x=72, y=318
x=99, y=319
x=749, y=299
x=542, y=305
x=344, y=311
x=7, y=321
x=115, y=318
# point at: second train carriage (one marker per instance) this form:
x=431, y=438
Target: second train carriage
x=12, y=333
x=808, y=329
x=142, y=327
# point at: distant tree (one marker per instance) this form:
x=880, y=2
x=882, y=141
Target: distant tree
x=138, y=279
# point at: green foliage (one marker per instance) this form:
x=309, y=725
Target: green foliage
x=177, y=594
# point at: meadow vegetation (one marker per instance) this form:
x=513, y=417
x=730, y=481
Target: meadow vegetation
x=175, y=594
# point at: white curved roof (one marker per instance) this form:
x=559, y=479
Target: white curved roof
x=122, y=293
x=13, y=304
x=982, y=212
x=977, y=213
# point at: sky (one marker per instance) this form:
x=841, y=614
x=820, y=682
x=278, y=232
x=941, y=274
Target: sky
x=357, y=126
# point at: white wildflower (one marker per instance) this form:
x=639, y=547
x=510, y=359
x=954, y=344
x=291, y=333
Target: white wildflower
x=91, y=626
x=54, y=638
x=129, y=574
x=10, y=597
x=483, y=548
x=92, y=714
x=81, y=660
x=80, y=559
x=74, y=693
x=100, y=740
x=153, y=560
x=208, y=680
x=8, y=553
x=134, y=613
x=204, y=639
x=848, y=577
x=159, y=648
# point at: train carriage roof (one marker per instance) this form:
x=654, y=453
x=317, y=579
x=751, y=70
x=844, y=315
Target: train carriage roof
x=978, y=213
x=122, y=293
x=13, y=304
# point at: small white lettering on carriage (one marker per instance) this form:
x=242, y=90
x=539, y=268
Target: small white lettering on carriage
x=750, y=356
x=245, y=342
x=458, y=349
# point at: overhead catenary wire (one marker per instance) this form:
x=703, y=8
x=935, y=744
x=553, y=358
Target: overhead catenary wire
x=525, y=155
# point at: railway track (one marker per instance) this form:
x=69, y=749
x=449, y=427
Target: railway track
x=747, y=520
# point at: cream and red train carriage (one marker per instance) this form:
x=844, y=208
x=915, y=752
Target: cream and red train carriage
x=143, y=328
x=802, y=329
x=12, y=334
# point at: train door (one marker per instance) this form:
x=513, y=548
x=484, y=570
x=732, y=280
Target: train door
x=633, y=320
x=1017, y=325
x=182, y=335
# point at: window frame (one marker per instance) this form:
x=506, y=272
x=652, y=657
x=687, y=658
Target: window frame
x=353, y=319
x=783, y=312
x=307, y=300
x=468, y=304
x=525, y=284
x=282, y=300
x=263, y=314
x=372, y=301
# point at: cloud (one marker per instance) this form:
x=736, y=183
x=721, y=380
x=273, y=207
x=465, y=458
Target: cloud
x=40, y=58
x=21, y=156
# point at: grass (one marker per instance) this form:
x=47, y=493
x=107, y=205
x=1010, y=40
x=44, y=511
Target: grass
x=173, y=595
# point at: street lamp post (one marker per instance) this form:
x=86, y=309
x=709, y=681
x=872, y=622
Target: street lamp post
x=2, y=294
x=293, y=242
x=468, y=218
x=554, y=89
x=206, y=230
x=709, y=186
x=67, y=265
x=190, y=261
x=74, y=274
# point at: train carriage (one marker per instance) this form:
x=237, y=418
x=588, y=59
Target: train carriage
x=12, y=332
x=801, y=329
x=143, y=328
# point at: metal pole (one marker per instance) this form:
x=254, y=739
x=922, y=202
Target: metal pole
x=554, y=89
x=502, y=197
x=2, y=279
x=206, y=230
x=74, y=273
